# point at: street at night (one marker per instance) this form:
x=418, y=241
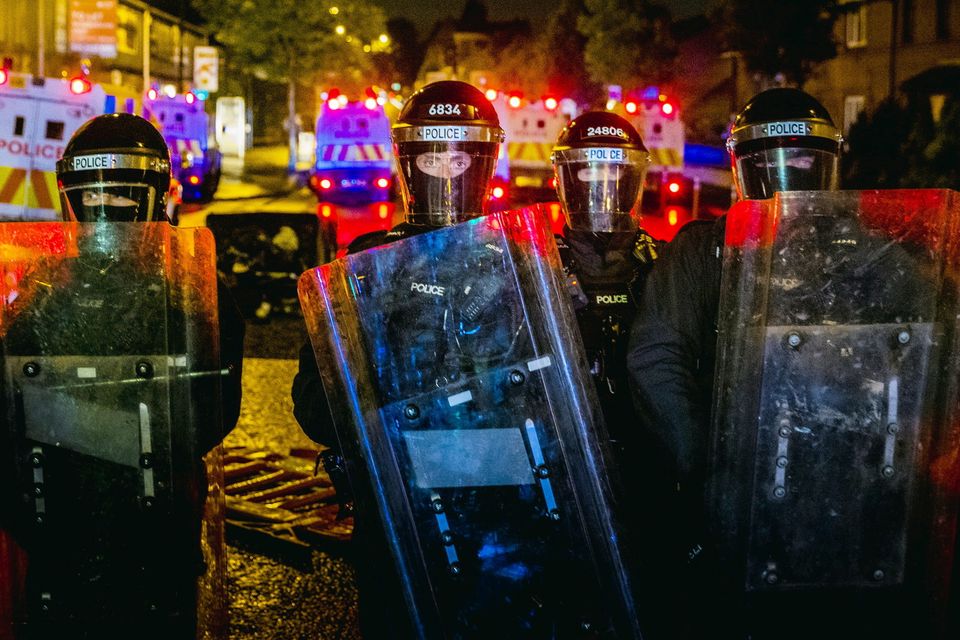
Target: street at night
x=479, y=320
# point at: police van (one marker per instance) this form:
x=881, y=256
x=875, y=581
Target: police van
x=37, y=118
x=354, y=163
x=185, y=125
x=531, y=130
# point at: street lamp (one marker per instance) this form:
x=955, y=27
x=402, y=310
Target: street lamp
x=340, y=30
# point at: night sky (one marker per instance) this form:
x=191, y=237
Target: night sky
x=424, y=13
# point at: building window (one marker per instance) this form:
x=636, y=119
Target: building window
x=54, y=130
x=129, y=23
x=852, y=108
x=909, y=18
x=857, y=27
x=943, y=19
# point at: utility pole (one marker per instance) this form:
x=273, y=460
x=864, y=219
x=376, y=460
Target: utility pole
x=894, y=24
x=147, y=18
x=41, y=40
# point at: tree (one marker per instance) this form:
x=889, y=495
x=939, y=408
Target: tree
x=296, y=41
x=566, y=71
x=787, y=37
x=628, y=42
x=406, y=53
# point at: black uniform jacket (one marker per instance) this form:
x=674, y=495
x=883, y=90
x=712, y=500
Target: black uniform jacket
x=671, y=356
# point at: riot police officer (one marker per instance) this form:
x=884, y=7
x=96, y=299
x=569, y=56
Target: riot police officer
x=600, y=163
x=782, y=140
x=108, y=506
x=446, y=140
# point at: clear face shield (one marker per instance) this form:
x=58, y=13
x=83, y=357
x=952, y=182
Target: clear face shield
x=600, y=187
x=445, y=182
x=109, y=202
x=761, y=173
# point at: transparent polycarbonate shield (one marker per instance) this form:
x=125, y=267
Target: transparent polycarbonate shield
x=834, y=462
x=110, y=375
x=461, y=395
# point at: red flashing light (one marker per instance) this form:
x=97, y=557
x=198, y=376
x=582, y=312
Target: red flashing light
x=672, y=216
x=491, y=94
x=554, y=211
x=514, y=101
x=383, y=210
x=334, y=104
x=383, y=183
x=631, y=106
x=194, y=180
x=80, y=85
x=673, y=187
x=326, y=183
x=550, y=103
x=4, y=76
x=668, y=109
x=553, y=182
x=190, y=98
x=152, y=94
x=497, y=193
x=370, y=103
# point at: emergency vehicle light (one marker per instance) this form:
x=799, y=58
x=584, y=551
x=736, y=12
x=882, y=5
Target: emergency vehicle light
x=152, y=94
x=514, y=101
x=4, y=76
x=326, y=183
x=674, y=187
x=497, y=193
x=630, y=106
x=383, y=183
x=491, y=94
x=80, y=85
x=550, y=103
x=370, y=103
x=194, y=180
x=333, y=103
x=667, y=109
x=190, y=98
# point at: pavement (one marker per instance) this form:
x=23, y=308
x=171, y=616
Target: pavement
x=276, y=595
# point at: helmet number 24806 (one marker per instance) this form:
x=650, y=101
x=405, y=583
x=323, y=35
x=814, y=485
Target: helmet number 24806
x=444, y=109
x=606, y=131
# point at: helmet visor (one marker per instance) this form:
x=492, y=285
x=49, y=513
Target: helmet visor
x=600, y=188
x=760, y=174
x=109, y=202
x=445, y=183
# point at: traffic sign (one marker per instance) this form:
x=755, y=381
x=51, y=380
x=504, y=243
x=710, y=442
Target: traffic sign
x=206, y=68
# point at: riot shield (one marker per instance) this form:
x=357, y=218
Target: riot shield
x=833, y=467
x=110, y=376
x=461, y=397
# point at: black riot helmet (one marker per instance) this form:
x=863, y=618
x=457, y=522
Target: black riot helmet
x=783, y=140
x=600, y=162
x=446, y=141
x=115, y=168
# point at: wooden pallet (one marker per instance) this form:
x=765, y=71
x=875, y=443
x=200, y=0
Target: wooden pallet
x=277, y=504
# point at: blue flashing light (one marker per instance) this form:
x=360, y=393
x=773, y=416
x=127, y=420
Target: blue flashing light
x=650, y=93
x=705, y=155
x=110, y=106
x=203, y=94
